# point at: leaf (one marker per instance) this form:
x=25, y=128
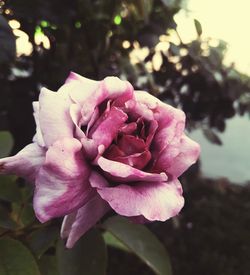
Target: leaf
x=111, y=240
x=23, y=213
x=16, y=259
x=6, y=139
x=48, y=265
x=198, y=27
x=42, y=239
x=212, y=137
x=88, y=256
x=142, y=242
x=5, y=220
x=8, y=43
x=9, y=190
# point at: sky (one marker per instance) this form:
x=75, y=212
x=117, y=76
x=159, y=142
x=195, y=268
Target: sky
x=228, y=20
x=232, y=158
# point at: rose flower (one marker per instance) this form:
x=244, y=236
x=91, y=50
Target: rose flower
x=100, y=145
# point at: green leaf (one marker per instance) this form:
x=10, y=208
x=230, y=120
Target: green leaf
x=5, y=220
x=16, y=259
x=6, y=142
x=9, y=190
x=142, y=242
x=42, y=239
x=198, y=27
x=23, y=213
x=111, y=240
x=88, y=256
x=48, y=265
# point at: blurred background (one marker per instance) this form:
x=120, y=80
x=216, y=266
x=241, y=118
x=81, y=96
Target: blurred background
x=191, y=54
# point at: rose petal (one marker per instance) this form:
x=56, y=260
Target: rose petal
x=96, y=180
x=76, y=77
x=38, y=138
x=68, y=220
x=86, y=217
x=177, y=158
x=75, y=113
x=93, y=119
x=124, y=173
x=128, y=128
x=138, y=161
x=131, y=144
x=113, y=152
x=92, y=93
x=171, y=121
x=25, y=164
x=153, y=200
x=108, y=126
x=54, y=117
x=62, y=182
x=152, y=130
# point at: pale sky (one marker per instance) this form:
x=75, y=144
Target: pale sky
x=228, y=20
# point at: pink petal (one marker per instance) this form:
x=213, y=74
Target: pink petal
x=86, y=217
x=153, y=200
x=62, y=183
x=75, y=113
x=171, y=121
x=138, y=160
x=25, y=164
x=152, y=130
x=38, y=138
x=124, y=173
x=54, y=116
x=68, y=220
x=177, y=158
x=90, y=148
x=108, y=128
x=76, y=77
x=128, y=128
x=97, y=181
x=90, y=94
x=131, y=145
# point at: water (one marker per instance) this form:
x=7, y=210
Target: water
x=232, y=159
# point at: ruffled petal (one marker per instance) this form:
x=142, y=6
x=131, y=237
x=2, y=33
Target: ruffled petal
x=153, y=200
x=138, y=161
x=89, y=94
x=76, y=77
x=54, y=116
x=75, y=113
x=108, y=127
x=25, y=164
x=171, y=121
x=121, y=172
x=178, y=157
x=38, y=138
x=97, y=181
x=62, y=182
x=77, y=224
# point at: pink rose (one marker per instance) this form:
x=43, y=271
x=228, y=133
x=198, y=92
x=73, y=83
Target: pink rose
x=100, y=145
